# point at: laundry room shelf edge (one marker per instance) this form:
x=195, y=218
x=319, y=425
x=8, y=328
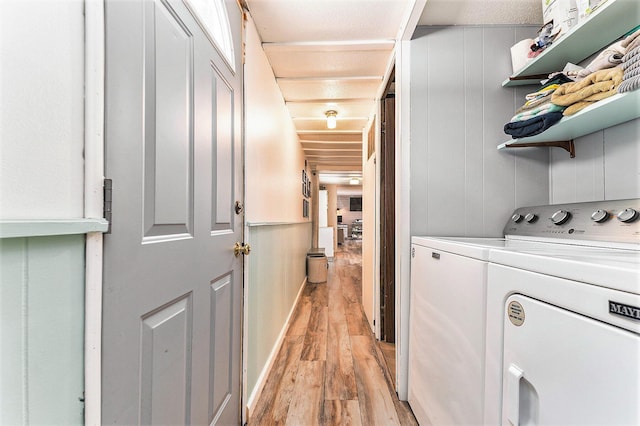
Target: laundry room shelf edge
x=609, y=22
x=605, y=113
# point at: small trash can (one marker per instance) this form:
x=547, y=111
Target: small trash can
x=317, y=266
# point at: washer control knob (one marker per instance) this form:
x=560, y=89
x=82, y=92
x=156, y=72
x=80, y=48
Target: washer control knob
x=560, y=217
x=628, y=215
x=600, y=216
x=531, y=217
x=517, y=217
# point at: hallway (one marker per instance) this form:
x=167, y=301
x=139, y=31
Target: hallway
x=329, y=369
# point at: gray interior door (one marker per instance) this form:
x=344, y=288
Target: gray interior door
x=172, y=285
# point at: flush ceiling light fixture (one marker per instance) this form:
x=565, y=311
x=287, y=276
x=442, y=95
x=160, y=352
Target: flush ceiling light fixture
x=354, y=181
x=331, y=118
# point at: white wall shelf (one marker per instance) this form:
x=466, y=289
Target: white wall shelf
x=602, y=114
x=608, y=23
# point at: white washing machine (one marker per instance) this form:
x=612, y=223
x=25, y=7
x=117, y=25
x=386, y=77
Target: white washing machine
x=447, y=329
x=556, y=264
x=563, y=318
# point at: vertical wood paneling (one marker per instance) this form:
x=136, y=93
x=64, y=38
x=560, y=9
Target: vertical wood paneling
x=42, y=330
x=445, y=133
x=622, y=161
x=473, y=128
x=460, y=184
x=275, y=277
x=419, y=145
x=580, y=178
x=499, y=167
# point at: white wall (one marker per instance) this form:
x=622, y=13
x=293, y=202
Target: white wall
x=41, y=109
x=277, y=231
x=461, y=185
x=369, y=234
x=274, y=157
x=348, y=217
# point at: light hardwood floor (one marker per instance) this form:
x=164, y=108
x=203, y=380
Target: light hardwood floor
x=329, y=370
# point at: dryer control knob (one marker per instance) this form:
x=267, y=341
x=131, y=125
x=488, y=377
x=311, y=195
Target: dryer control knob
x=531, y=217
x=517, y=217
x=560, y=217
x=628, y=215
x=600, y=216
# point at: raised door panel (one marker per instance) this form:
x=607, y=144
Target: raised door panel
x=223, y=182
x=168, y=122
x=165, y=364
x=221, y=369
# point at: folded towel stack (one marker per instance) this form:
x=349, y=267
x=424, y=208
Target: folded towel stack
x=631, y=67
x=595, y=87
x=532, y=126
x=631, y=63
x=538, y=113
x=615, y=69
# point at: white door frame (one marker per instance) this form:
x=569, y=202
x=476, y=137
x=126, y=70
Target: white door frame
x=93, y=205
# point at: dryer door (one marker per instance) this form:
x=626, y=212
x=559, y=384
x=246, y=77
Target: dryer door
x=564, y=368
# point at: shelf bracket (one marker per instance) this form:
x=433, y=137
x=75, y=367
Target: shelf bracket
x=566, y=145
x=529, y=77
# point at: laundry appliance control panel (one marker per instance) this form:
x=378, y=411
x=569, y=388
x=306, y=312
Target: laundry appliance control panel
x=607, y=221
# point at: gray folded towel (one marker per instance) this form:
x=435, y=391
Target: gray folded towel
x=629, y=85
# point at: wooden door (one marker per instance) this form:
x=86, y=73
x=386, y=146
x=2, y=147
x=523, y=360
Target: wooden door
x=387, y=222
x=172, y=302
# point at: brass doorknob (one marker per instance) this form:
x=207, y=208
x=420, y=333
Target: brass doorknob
x=238, y=248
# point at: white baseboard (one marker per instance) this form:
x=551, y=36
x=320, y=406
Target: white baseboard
x=262, y=378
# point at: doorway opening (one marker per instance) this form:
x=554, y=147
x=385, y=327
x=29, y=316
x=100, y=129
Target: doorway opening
x=387, y=225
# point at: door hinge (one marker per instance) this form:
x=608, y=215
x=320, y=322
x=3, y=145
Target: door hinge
x=106, y=194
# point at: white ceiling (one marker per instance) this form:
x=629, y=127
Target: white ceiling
x=335, y=55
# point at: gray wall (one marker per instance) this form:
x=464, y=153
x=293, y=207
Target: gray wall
x=606, y=166
x=461, y=185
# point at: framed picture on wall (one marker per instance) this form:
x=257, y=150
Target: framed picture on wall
x=306, y=185
x=305, y=208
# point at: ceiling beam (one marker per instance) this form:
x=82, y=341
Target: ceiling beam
x=326, y=168
x=331, y=101
x=332, y=149
x=325, y=119
x=320, y=79
x=329, y=132
x=331, y=46
x=331, y=156
x=335, y=141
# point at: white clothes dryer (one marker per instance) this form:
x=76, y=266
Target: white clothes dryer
x=524, y=329
x=563, y=318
